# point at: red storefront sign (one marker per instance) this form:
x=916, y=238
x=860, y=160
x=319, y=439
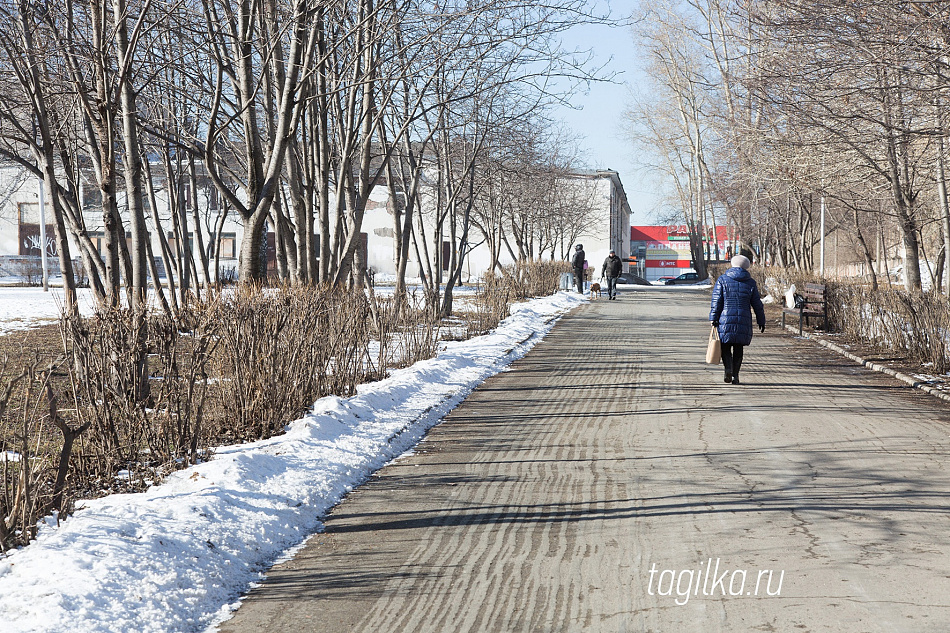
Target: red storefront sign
x=665, y=233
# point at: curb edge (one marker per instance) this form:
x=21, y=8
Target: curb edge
x=910, y=380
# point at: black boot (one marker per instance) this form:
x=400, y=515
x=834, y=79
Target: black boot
x=737, y=353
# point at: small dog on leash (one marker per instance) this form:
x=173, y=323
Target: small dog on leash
x=594, y=290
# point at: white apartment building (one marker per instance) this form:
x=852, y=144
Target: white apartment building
x=607, y=226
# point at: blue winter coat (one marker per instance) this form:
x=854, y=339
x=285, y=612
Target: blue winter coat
x=735, y=292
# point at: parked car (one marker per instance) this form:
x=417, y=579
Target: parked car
x=631, y=278
x=685, y=278
x=664, y=280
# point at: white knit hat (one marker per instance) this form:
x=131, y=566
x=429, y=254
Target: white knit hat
x=741, y=261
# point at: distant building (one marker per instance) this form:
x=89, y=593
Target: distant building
x=611, y=220
x=663, y=251
x=607, y=226
x=20, y=213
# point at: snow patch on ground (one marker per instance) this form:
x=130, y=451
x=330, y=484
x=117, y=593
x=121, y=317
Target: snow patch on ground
x=21, y=308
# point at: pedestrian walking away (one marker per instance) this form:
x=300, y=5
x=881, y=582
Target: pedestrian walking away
x=734, y=296
x=613, y=266
x=577, y=263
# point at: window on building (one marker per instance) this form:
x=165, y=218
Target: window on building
x=228, y=246
x=173, y=242
x=29, y=212
x=98, y=239
x=91, y=196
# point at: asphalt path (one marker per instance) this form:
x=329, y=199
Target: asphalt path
x=610, y=481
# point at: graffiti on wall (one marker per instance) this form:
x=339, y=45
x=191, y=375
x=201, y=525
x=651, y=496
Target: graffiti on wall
x=30, y=242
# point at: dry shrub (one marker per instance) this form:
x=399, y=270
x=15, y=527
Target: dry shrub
x=139, y=383
x=182, y=350
x=26, y=466
x=283, y=348
x=914, y=325
x=151, y=393
x=518, y=282
x=136, y=386
x=108, y=367
x=490, y=305
x=534, y=278
x=406, y=329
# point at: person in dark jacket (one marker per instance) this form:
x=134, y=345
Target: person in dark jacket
x=613, y=266
x=577, y=263
x=733, y=296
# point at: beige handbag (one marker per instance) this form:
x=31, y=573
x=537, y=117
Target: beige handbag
x=714, y=349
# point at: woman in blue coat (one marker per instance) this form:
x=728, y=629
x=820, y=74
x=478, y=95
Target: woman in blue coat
x=733, y=296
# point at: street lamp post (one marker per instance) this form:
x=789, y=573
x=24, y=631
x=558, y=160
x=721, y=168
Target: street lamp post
x=43, y=256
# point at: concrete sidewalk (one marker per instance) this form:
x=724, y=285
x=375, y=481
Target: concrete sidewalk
x=610, y=481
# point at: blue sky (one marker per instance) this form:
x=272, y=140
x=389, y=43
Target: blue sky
x=599, y=116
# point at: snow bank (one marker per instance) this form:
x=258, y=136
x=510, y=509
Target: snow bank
x=178, y=556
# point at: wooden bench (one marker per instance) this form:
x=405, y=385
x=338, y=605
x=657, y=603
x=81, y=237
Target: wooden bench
x=814, y=305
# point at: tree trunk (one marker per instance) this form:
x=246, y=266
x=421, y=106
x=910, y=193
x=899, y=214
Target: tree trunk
x=138, y=284
x=944, y=204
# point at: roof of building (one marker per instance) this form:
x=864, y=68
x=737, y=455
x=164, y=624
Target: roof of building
x=606, y=173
